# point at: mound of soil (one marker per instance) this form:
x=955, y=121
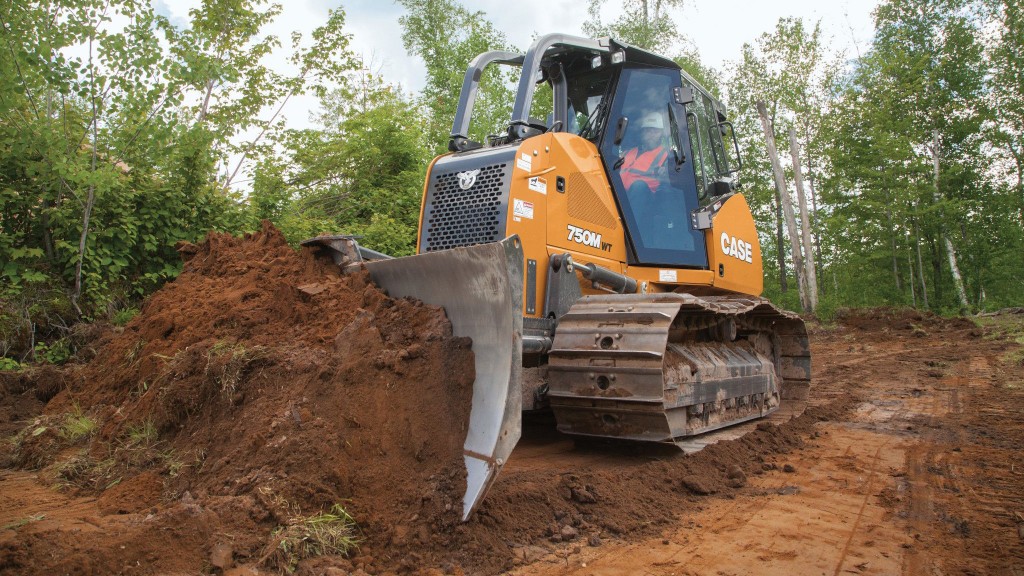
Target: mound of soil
x=259, y=387
x=900, y=319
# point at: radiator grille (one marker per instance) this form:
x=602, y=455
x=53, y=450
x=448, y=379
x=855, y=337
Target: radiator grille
x=467, y=217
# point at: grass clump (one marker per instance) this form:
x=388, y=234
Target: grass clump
x=84, y=472
x=142, y=434
x=227, y=363
x=328, y=533
x=77, y=425
x=39, y=443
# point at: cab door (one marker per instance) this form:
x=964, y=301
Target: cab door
x=654, y=181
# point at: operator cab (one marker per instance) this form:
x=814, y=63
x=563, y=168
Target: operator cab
x=618, y=96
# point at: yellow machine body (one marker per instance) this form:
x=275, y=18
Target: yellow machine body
x=546, y=220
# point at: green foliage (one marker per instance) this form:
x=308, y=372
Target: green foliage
x=57, y=353
x=124, y=316
x=361, y=173
x=643, y=23
x=113, y=125
x=447, y=36
x=387, y=235
x=920, y=85
x=789, y=70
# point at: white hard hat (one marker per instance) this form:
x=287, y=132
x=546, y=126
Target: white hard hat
x=652, y=120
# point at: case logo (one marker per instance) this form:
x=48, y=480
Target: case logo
x=737, y=248
x=468, y=178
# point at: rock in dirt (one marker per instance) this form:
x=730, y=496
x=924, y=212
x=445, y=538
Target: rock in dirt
x=737, y=477
x=583, y=496
x=568, y=533
x=221, y=556
x=698, y=485
x=735, y=472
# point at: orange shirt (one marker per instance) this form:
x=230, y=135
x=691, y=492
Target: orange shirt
x=643, y=166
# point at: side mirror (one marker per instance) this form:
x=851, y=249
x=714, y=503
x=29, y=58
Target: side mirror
x=722, y=126
x=720, y=188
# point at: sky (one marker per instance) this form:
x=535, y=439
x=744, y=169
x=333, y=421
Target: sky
x=717, y=28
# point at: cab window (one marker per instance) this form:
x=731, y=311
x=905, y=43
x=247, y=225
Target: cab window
x=647, y=154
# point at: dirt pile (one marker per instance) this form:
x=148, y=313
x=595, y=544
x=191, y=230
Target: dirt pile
x=259, y=388
x=902, y=320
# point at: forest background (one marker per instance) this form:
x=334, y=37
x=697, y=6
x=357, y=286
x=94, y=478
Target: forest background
x=122, y=134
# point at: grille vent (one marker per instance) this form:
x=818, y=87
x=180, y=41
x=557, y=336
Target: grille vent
x=585, y=204
x=467, y=217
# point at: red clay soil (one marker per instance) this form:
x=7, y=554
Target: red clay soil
x=261, y=386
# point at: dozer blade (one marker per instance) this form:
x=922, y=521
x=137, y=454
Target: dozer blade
x=480, y=288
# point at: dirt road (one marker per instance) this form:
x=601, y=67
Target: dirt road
x=922, y=476
x=908, y=460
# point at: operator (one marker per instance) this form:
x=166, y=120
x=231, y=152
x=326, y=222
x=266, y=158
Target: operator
x=643, y=167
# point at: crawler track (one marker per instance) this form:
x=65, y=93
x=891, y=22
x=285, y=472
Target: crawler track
x=675, y=367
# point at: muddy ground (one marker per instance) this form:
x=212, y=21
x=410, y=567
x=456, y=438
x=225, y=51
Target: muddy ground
x=244, y=398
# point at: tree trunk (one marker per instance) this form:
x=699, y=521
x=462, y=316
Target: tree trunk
x=910, y=270
x=205, y=107
x=958, y=282
x=1018, y=161
x=936, y=270
x=805, y=235
x=787, y=207
x=780, y=244
x=90, y=200
x=44, y=212
x=920, y=266
x=892, y=248
x=814, y=209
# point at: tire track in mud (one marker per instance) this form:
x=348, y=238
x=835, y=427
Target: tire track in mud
x=868, y=493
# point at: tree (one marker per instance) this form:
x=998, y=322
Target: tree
x=112, y=123
x=643, y=23
x=361, y=173
x=923, y=76
x=789, y=70
x=447, y=36
x=648, y=24
x=221, y=57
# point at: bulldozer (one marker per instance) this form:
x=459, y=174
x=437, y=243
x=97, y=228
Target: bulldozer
x=602, y=260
